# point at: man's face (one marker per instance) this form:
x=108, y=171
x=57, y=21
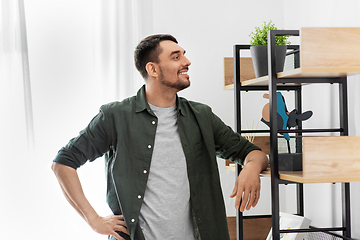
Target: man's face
x=173, y=66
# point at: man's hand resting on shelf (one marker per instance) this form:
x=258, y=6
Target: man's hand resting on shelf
x=247, y=185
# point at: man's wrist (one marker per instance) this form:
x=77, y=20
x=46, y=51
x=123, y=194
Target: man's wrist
x=253, y=165
x=91, y=219
x=257, y=157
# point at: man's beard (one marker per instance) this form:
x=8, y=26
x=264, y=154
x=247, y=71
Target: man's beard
x=178, y=85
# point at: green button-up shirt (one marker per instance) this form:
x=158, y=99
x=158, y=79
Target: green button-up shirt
x=125, y=133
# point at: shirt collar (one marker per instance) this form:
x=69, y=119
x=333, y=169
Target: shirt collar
x=179, y=106
x=142, y=104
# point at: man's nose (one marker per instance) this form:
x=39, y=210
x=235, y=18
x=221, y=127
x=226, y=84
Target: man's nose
x=187, y=61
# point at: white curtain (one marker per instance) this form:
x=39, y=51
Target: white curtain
x=16, y=122
x=72, y=57
x=122, y=24
x=17, y=145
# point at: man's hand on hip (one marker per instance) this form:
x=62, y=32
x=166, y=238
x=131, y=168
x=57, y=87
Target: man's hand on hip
x=109, y=225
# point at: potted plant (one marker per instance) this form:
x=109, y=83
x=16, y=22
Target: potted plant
x=258, y=49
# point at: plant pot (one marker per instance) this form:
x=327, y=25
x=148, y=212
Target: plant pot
x=260, y=59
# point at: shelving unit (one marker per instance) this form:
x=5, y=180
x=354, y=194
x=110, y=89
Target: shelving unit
x=322, y=60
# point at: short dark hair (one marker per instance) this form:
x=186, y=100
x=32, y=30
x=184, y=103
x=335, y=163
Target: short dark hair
x=148, y=50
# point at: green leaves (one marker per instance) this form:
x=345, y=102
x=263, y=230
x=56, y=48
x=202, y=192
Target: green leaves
x=259, y=36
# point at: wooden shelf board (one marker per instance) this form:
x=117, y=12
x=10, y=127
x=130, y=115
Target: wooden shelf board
x=261, y=81
x=318, y=178
x=319, y=72
x=246, y=73
x=330, y=49
x=298, y=176
x=300, y=73
x=327, y=159
x=230, y=86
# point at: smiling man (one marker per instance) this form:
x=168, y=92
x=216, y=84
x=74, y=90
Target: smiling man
x=160, y=151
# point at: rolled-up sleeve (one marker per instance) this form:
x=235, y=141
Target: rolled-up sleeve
x=91, y=143
x=229, y=144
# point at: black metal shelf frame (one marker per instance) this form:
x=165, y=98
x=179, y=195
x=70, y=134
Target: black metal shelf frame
x=273, y=86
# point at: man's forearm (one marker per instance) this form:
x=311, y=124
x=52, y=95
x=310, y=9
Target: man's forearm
x=72, y=189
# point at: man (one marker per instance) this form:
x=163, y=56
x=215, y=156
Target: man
x=162, y=175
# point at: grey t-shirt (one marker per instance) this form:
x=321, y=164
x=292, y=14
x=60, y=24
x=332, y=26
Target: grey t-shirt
x=166, y=211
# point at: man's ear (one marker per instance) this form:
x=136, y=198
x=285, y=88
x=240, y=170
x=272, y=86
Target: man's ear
x=152, y=69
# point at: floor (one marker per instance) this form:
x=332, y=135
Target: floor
x=254, y=228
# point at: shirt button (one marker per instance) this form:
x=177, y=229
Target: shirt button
x=145, y=171
x=132, y=220
x=149, y=146
x=139, y=196
x=153, y=122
